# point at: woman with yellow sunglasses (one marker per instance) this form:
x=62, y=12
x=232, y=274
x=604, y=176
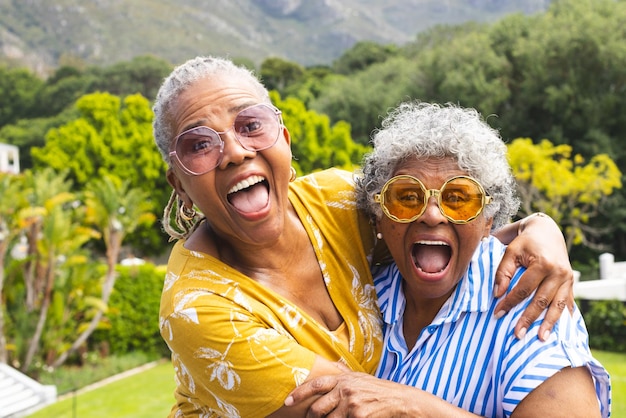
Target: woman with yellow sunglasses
x=437, y=185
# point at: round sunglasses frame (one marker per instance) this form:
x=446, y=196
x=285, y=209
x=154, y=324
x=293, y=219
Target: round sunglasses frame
x=380, y=198
x=174, y=155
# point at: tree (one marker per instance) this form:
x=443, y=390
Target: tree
x=61, y=91
x=116, y=210
x=28, y=133
x=18, y=88
x=278, y=73
x=142, y=75
x=43, y=190
x=553, y=181
x=310, y=85
x=107, y=137
x=363, y=98
x=362, y=55
x=467, y=71
x=439, y=35
x=10, y=185
x=59, y=297
x=111, y=137
x=316, y=144
x=30, y=107
x=568, y=85
x=54, y=232
x=570, y=77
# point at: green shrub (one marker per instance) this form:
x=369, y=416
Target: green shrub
x=134, y=313
x=606, y=323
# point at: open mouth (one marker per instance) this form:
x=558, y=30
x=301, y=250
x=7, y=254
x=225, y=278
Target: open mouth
x=431, y=256
x=250, y=195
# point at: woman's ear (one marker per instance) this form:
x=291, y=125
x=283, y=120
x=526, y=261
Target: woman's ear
x=377, y=224
x=174, y=181
x=381, y=251
x=286, y=135
x=488, y=224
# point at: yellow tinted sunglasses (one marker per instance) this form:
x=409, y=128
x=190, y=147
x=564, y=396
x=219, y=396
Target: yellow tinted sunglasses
x=404, y=198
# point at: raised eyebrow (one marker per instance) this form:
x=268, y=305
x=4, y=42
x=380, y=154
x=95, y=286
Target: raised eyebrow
x=239, y=108
x=232, y=110
x=193, y=125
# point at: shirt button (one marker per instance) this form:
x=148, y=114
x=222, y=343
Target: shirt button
x=432, y=328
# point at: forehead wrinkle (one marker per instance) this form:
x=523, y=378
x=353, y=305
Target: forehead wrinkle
x=239, y=108
x=204, y=121
x=200, y=122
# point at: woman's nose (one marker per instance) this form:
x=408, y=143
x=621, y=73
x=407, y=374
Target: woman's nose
x=234, y=152
x=432, y=215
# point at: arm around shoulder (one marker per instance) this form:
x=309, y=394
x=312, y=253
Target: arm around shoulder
x=321, y=367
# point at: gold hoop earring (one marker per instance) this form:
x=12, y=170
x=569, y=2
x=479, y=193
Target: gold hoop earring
x=294, y=174
x=187, y=214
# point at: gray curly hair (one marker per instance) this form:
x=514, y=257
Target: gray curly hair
x=179, y=80
x=425, y=130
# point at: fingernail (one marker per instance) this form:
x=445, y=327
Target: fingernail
x=495, y=290
x=289, y=401
x=500, y=314
x=522, y=333
x=545, y=335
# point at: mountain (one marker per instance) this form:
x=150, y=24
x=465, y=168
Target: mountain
x=43, y=33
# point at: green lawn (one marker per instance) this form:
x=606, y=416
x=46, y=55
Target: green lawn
x=149, y=394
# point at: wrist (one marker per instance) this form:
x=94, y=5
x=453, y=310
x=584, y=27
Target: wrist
x=524, y=222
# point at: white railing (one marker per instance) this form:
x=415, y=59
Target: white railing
x=611, y=285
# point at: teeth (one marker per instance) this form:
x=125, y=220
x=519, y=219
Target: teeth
x=420, y=269
x=244, y=184
x=432, y=243
x=425, y=242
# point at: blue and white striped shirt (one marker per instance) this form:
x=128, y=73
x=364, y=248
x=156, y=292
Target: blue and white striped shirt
x=473, y=360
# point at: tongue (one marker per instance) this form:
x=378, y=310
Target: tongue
x=252, y=199
x=431, y=258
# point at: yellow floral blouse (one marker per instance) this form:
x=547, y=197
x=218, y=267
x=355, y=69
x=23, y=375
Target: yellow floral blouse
x=238, y=348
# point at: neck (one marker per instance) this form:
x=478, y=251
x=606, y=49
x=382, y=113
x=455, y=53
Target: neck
x=257, y=258
x=419, y=312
